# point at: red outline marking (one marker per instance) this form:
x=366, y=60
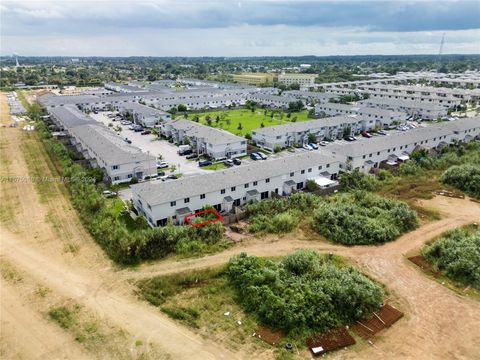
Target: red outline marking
x=188, y=221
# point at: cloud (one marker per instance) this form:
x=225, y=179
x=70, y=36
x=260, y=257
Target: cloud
x=238, y=28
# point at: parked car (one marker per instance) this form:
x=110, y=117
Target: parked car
x=202, y=163
x=228, y=162
x=185, y=152
x=138, y=128
x=171, y=177
x=125, y=122
x=108, y=193
x=237, y=161
x=382, y=132
x=146, y=132
x=262, y=156
x=162, y=164
x=349, y=138
x=314, y=146
x=366, y=134
x=191, y=156
x=127, y=140
x=323, y=143
x=255, y=156
x=307, y=147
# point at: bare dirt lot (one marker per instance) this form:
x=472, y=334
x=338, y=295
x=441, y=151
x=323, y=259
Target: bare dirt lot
x=42, y=236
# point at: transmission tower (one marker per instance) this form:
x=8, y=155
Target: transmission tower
x=440, y=52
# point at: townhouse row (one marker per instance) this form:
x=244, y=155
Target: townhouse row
x=215, y=143
x=102, y=147
x=300, y=133
x=231, y=188
x=411, y=108
x=384, y=118
x=228, y=189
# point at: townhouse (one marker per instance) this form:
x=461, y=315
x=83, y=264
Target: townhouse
x=311, y=96
x=366, y=154
x=205, y=140
x=383, y=117
x=144, y=115
x=297, y=134
x=412, y=108
x=102, y=147
x=227, y=189
x=272, y=101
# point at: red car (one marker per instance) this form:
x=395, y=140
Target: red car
x=366, y=134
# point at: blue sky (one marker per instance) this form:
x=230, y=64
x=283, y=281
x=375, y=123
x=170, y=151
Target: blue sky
x=238, y=28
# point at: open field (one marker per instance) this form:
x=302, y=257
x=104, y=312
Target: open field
x=231, y=119
x=36, y=233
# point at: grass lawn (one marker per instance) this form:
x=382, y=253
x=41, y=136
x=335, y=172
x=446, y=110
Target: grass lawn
x=230, y=119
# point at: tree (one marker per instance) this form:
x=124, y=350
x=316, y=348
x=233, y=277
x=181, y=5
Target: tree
x=240, y=126
x=182, y=108
x=312, y=138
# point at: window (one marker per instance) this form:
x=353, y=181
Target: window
x=233, y=188
x=267, y=180
x=291, y=174
x=310, y=170
x=328, y=165
x=186, y=200
x=148, y=205
x=129, y=176
x=115, y=167
x=222, y=191
x=255, y=183
x=202, y=196
x=320, y=167
x=246, y=186
x=116, y=178
x=173, y=203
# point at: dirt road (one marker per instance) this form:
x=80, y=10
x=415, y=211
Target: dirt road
x=35, y=234
x=439, y=324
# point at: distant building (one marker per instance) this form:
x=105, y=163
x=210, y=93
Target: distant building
x=254, y=78
x=304, y=80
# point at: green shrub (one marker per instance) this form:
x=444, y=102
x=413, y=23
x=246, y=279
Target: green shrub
x=303, y=292
x=362, y=218
x=464, y=177
x=457, y=254
x=357, y=180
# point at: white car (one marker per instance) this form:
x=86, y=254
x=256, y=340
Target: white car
x=108, y=193
x=162, y=164
x=307, y=147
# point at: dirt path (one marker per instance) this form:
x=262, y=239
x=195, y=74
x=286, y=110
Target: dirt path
x=35, y=234
x=20, y=325
x=439, y=324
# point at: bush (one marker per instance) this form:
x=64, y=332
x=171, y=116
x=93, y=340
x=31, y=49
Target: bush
x=362, y=218
x=464, y=177
x=279, y=223
x=124, y=245
x=356, y=180
x=457, y=255
x=303, y=292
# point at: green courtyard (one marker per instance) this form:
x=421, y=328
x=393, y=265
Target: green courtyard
x=242, y=121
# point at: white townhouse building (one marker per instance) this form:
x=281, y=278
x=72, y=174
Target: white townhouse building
x=144, y=115
x=273, y=101
x=226, y=189
x=103, y=147
x=383, y=117
x=310, y=96
x=106, y=150
x=366, y=154
x=205, y=140
x=296, y=134
x=412, y=108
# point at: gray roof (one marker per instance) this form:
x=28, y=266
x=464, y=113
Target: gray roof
x=141, y=109
x=402, y=103
x=70, y=116
x=163, y=192
x=395, y=140
x=108, y=145
x=209, y=134
x=302, y=126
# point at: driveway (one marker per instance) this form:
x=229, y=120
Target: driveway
x=154, y=146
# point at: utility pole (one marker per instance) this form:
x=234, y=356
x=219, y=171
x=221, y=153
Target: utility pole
x=440, y=53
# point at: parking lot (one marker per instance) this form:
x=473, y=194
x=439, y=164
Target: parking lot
x=154, y=146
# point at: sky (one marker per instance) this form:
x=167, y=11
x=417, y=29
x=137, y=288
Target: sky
x=238, y=28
